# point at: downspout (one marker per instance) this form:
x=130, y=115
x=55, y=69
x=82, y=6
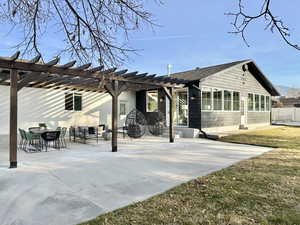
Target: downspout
x=202, y=131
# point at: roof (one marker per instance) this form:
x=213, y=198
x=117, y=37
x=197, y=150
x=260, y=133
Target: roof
x=199, y=74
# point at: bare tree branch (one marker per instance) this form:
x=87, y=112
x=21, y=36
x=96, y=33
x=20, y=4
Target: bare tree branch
x=91, y=28
x=242, y=19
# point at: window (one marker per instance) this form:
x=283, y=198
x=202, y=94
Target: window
x=77, y=102
x=256, y=102
x=268, y=104
x=262, y=103
x=227, y=101
x=152, y=101
x=122, y=109
x=217, y=96
x=68, y=101
x=206, y=99
x=236, y=101
x=250, y=102
x=73, y=101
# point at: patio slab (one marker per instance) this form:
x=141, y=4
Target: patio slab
x=83, y=181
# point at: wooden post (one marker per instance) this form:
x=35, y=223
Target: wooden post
x=13, y=132
x=171, y=127
x=114, y=137
x=113, y=90
x=169, y=94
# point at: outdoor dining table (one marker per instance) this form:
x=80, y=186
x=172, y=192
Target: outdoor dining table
x=42, y=131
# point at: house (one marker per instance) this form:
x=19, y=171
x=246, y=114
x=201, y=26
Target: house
x=230, y=96
x=224, y=97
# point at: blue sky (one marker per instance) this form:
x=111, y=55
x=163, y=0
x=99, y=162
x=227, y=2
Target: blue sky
x=195, y=34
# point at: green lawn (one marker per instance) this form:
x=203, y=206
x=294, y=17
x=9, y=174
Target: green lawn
x=261, y=190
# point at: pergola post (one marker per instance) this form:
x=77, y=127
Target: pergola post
x=169, y=94
x=115, y=88
x=114, y=123
x=13, y=124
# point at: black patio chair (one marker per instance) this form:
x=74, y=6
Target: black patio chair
x=135, y=124
x=51, y=137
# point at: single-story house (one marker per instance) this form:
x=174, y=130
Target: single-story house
x=228, y=96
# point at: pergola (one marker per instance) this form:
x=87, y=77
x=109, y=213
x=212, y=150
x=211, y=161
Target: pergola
x=18, y=73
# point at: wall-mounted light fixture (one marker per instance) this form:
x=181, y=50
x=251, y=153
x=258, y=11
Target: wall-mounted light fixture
x=193, y=97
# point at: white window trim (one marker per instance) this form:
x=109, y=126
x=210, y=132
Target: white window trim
x=222, y=99
x=253, y=107
x=125, y=103
x=239, y=102
x=259, y=109
x=74, y=93
x=212, y=99
x=231, y=96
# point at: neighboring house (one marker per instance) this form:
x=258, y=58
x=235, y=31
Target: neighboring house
x=285, y=102
x=235, y=95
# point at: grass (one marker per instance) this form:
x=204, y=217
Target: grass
x=261, y=190
x=281, y=137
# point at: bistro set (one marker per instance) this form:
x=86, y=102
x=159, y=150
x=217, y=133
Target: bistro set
x=40, y=138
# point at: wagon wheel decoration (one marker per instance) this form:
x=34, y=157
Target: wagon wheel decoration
x=156, y=123
x=135, y=124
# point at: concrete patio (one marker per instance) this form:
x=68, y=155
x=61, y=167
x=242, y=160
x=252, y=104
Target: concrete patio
x=77, y=184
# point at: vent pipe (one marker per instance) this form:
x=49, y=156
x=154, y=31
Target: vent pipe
x=169, y=68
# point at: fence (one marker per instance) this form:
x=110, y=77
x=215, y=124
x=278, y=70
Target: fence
x=286, y=114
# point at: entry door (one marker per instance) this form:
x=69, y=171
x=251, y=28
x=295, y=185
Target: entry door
x=182, y=108
x=243, y=112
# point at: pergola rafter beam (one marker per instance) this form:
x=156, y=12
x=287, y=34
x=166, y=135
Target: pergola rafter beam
x=34, y=76
x=68, y=65
x=96, y=69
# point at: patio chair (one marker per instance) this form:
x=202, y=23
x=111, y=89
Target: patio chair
x=31, y=139
x=62, y=137
x=135, y=124
x=22, y=142
x=51, y=137
x=156, y=123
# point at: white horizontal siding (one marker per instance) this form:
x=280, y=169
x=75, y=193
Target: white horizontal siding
x=36, y=105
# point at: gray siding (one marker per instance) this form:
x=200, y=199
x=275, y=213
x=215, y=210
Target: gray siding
x=220, y=119
x=258, y=117
x=234, y=79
